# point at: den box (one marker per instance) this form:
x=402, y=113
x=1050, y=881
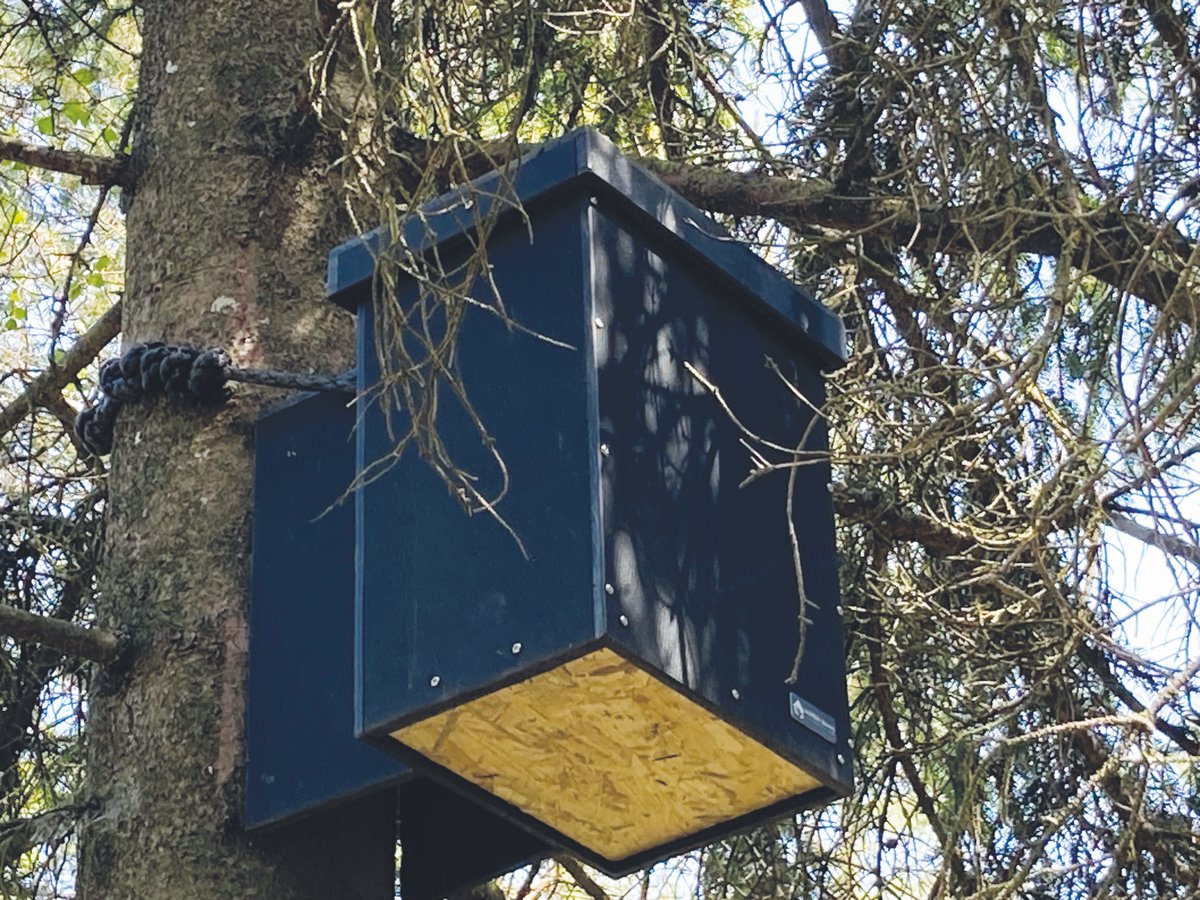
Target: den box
x=619, y=681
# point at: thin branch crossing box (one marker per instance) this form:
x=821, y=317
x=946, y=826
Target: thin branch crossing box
x=623, y=690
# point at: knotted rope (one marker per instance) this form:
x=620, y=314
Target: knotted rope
x=188, y=373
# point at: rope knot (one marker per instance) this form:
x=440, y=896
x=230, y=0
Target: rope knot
x=156, y=367
x=146, y=369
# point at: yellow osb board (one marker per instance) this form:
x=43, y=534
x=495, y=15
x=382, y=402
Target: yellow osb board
x=609, y=756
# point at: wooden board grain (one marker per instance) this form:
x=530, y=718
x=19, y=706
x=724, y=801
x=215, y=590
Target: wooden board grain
x=608, y=755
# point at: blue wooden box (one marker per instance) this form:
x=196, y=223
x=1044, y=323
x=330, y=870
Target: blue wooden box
x=623, y=691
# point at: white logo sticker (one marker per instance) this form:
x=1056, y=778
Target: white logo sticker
x=812, y=718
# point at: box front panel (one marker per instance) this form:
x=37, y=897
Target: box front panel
x=695, y=387
x=448, y=603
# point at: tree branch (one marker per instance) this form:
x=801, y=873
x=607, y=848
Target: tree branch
x=94, y=644
x=582, y=878
x=1114, y=248
x=19, y=836
x=896, y=523
x=92, y=169
x=489, y=890
x=1095, y=659
x=900, y=749
x=1126, y=252
x=1174, y=32
x=49, y=384
x=1167, y=543
x=827, y=31
x=1148, y=835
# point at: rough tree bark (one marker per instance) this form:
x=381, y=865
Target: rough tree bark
x=230, y=202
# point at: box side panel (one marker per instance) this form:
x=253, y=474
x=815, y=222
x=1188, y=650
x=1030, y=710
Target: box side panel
x=448, y=603
x=701, y=567
x=301, y=749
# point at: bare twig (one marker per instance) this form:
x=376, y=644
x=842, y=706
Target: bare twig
x=64, y=296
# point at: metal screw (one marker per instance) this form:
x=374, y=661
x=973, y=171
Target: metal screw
x=435, y=680
x=841, y=760
x=624, y=620
x=516, y=648
x=802, y=321
x=608, y=589
x=598, y=322
x=604, y=451
x=735, y=694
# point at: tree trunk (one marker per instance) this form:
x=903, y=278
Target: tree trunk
x=228, y=230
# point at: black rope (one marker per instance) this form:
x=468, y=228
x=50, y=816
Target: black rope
x=187, y=373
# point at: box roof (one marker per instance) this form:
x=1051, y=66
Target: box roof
x=586, y=160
